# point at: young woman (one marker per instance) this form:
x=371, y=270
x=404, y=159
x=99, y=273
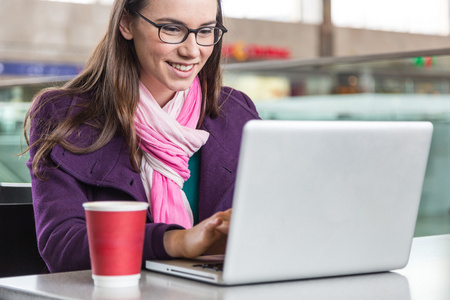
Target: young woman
x=147, y=110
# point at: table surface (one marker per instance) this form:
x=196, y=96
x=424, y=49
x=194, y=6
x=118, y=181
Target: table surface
x=427, y=276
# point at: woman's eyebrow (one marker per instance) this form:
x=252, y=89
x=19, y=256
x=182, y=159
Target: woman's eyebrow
x=174, y=21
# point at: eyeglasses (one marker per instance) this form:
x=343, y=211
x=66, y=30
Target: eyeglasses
x=177, y=33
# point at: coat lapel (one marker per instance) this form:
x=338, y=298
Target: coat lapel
x=217, y=175
x=220, y=154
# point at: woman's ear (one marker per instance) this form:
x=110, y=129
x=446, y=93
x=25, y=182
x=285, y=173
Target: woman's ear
x=125, y=26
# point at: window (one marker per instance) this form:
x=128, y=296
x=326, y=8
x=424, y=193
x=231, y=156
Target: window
x=280, y=10
x=413, y=16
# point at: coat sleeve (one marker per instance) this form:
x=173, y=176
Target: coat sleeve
x=57, y=200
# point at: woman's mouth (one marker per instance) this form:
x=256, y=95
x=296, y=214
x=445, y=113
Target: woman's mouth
x=182, y=68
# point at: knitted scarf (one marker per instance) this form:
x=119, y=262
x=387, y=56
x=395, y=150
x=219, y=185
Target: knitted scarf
x=169, y=138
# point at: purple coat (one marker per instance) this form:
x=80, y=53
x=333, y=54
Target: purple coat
x=107, y=174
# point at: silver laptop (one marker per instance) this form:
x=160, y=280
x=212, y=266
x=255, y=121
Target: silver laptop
x=318, y=199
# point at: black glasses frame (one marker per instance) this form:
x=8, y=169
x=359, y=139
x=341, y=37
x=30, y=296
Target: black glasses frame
x=189, y=31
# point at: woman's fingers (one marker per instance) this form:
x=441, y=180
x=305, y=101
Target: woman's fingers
x=209, y=234
x=219, y=222
x=224, y=226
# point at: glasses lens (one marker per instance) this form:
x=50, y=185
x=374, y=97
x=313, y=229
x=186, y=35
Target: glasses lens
x=173, y=33
x=208, y=36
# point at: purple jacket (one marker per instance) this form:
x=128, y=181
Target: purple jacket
x=107, y=174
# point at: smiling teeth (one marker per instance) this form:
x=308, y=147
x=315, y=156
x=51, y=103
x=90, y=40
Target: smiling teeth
x=183, y=68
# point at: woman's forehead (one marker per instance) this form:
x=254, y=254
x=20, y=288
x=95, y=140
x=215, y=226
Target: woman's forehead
x=201, y=10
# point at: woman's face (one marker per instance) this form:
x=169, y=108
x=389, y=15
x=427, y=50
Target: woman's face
x=167, y=68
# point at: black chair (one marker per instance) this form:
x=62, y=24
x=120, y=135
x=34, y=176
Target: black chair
x=15, y=192
x=18, y=245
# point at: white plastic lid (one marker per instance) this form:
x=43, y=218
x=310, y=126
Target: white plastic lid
x=115, y=205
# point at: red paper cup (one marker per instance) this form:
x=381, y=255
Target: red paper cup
x=116, y=241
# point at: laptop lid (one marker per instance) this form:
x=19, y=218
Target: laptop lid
x=324, y=198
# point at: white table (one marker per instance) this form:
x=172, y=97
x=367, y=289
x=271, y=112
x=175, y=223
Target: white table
x=427, y=276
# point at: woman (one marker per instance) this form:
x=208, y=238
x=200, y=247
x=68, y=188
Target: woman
x=125, y=128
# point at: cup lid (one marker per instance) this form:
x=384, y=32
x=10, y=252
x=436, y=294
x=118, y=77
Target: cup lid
x=115, y=205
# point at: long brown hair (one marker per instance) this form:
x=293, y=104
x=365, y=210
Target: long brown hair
x=114, y=94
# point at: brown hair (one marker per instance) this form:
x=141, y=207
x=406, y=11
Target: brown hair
x=115, y=95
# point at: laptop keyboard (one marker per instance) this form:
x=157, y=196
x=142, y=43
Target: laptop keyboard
x=218, y=267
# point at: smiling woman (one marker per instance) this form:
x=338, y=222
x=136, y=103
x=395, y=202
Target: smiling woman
x=158, y=57
x=149, y=98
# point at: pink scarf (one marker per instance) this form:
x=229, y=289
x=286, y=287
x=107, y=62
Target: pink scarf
x=169, y=138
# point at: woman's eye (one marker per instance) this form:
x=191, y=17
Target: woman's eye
x=205, y=31
x=172, y=29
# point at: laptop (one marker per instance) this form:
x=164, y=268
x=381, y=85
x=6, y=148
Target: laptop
x=318, y=199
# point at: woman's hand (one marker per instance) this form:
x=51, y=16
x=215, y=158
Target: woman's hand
x=208, y=237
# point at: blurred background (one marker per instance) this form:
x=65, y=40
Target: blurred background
x=297, y=59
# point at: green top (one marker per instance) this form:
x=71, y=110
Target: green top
x=190, y=187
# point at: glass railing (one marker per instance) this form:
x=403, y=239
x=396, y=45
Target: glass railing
x=390, y=87
x=15, y=99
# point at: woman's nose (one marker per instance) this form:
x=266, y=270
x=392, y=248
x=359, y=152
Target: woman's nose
x=190, y=48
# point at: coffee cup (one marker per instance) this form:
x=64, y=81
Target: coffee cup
x=116, y=232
